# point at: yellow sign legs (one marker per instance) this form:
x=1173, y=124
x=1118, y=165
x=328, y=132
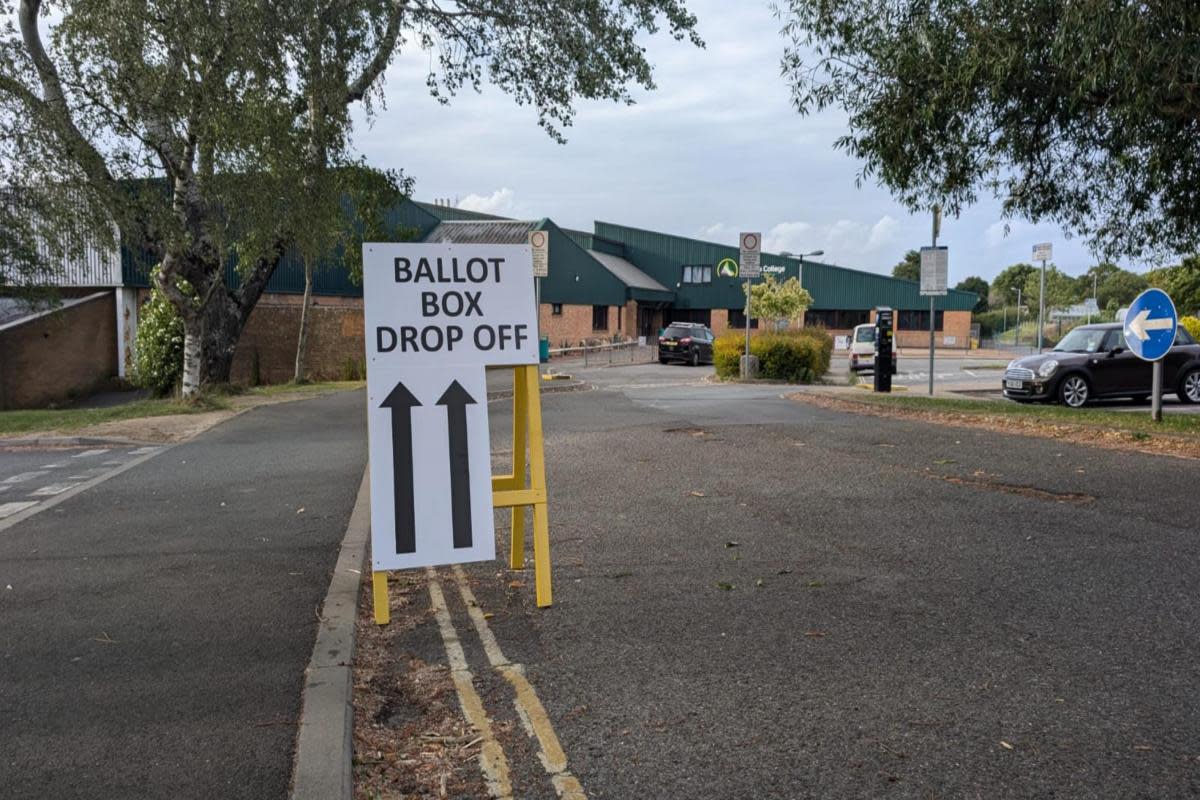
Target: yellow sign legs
x=513, y=491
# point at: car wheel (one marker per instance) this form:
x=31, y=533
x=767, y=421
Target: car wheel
x=695, y=358
x=1189, y=386
x=1074, y=391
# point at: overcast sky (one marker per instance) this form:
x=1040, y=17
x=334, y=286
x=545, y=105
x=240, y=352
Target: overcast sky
x=714, y=150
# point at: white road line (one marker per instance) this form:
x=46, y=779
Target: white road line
x=529, y=707
x=52, y=489
x=141, y=451
x=21, y=516
x=59, y=465
x=90, y=453
x=25, y=476
x=8, y=509
x=491, y=756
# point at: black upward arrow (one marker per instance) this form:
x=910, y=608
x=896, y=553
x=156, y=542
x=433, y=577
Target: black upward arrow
x=401, y=402
x=456, y=401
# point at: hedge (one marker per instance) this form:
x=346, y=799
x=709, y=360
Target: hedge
x=800, y=356
x=1191, y=325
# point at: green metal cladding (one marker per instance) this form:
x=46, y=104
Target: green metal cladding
x=663, y=256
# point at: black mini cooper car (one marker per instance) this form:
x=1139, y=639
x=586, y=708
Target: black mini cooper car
x=689, y=342
x=1092, y=362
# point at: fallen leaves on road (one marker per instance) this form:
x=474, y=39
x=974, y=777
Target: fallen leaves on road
x=816, y=634
x=1005, y=745
x=725, y=586
x=694, y=493
x=410, y=738
x=733, y=544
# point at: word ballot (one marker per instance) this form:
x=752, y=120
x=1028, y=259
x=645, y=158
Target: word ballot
x=436, y=315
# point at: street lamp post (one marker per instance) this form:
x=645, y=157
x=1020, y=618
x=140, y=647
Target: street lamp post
x=800, y=268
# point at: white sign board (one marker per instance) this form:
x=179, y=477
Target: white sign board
x=841, y=343
x=435, y=314
x=539, y=241
x=935, y=268
x=751, y=249
x=1043, y=252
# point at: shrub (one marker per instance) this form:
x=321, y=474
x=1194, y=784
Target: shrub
x=800, y=356
x=158, y=365
x=1191, y=325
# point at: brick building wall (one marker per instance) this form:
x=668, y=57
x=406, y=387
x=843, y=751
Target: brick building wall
x=56, y=356
x=335, y=347
x=573, y=324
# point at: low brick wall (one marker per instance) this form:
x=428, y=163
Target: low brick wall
x=335, y=348
x=54, y=357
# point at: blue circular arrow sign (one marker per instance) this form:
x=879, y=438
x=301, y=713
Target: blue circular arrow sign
x=1150, y=325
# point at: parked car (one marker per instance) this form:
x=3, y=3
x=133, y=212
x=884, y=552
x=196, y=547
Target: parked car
x=1092, y=362
x=689, y=342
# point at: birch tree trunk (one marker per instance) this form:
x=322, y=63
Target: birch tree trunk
x=191, y=358
x=302, y=341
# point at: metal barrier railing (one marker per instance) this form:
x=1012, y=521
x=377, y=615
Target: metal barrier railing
x=610, y=353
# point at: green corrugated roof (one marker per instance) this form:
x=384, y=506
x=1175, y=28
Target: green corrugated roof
x=664, y=255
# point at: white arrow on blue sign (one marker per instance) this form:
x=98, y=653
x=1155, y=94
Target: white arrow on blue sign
x=1150, y=325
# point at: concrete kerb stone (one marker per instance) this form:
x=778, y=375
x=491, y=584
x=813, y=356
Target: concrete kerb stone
x=323, y=768
x=70, y=441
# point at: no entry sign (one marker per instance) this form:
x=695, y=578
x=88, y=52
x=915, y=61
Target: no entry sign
x=435, y=315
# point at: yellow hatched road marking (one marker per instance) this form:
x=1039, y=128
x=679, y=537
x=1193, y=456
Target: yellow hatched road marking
x=529, y=707
x=491, y=756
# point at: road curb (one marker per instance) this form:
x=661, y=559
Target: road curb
x=75, y=441
x=562, y=388
x=323, y=767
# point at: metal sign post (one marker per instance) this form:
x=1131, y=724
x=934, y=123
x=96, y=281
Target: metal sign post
x=1042, y=252
x=539, y=243
x=935, y=268
x=1151, y=324
x=749, y=267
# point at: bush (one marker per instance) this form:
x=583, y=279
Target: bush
x=1191, y=325
x=158, y=365
x=800, y=356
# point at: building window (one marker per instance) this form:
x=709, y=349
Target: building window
x=700, y=316
x=737, y=319
x=696, y=274
x=599, y=318
x=837, y=319
x=918, y=320
x=556, y=309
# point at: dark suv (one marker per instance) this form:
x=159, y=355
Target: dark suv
x=1092, y=362
x=689, y=342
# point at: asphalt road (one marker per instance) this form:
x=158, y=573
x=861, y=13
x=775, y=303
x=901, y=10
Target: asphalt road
x=756, y=598
x=155, y=628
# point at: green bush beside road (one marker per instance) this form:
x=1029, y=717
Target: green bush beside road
x=800, y=356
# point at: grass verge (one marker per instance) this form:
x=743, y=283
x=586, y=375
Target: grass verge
x=1135, y=421
x=70, y=419
x=1095, y=427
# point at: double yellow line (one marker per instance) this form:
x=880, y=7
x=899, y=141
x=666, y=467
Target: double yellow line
x=529, y=707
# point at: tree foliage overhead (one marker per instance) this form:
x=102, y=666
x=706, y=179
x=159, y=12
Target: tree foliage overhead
x=1085, y=113
x=1181, y=282
x=205, y=130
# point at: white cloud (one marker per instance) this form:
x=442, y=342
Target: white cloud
x=500, y=202
x=845, y=241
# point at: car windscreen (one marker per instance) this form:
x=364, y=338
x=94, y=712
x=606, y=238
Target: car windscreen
x=864, y=335
x=675, y=332
x=1081, y=340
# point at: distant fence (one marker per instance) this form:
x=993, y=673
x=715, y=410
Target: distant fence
x=619, y=353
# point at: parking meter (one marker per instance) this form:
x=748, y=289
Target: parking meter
x=885, y=356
